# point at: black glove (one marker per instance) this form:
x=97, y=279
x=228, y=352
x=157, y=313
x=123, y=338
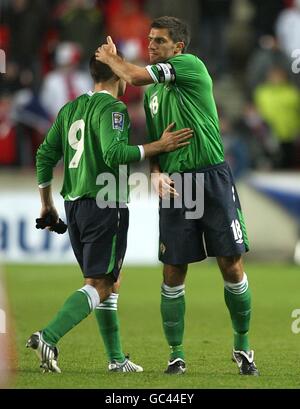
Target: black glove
x=49, y=221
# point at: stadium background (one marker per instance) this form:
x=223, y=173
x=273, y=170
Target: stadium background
x=252, y=50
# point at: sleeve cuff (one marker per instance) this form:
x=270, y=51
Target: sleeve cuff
x=43, y=185
x=142, y=152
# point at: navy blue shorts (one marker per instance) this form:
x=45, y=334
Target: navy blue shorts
x=98, y=237
x=220, y=231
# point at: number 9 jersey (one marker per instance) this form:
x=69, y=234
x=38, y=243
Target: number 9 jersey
x=91, y=133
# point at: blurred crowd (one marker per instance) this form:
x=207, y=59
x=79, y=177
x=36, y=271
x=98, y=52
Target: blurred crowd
x=251, y=48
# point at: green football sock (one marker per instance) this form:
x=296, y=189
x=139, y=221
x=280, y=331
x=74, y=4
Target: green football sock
x=172, y=312
x=77, y=307
x=238, y=301
x=108, y=322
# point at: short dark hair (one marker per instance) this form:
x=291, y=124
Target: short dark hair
x=178, y=29
x=101, y=72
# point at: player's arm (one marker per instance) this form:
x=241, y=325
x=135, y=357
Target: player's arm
x=162, y=183
x=114, y=135
x=133, y=74
x=117, y=152
x=48, y=154
x=47, y=203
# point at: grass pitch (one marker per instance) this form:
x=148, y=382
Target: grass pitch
x=36, y=292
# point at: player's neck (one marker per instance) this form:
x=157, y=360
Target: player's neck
x=112, y=88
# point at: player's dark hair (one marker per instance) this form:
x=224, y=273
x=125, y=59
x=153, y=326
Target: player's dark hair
x=101, y=72
x=178, y=29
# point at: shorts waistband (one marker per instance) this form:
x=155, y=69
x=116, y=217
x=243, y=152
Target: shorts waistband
x=208, y=168
x=93, y=200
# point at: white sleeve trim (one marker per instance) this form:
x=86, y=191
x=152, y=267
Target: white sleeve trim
x=148, y=68
x=43, y=185
x=142, y=152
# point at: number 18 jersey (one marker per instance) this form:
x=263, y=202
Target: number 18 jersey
x=182, y=93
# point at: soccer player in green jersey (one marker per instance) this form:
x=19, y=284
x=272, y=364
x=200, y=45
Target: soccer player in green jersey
x=91, y=133
x=181, y=89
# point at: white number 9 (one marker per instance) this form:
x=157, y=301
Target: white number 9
x=75, y=143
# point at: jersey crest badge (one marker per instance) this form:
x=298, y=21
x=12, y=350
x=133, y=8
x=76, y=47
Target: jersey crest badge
x=118, y=121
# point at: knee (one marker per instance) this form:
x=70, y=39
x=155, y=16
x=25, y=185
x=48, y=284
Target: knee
x=103, y=286
x=174, y=275
x=231, y=268
x=104, y=293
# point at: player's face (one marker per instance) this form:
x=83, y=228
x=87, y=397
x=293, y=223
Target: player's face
x=161, y=47
x=122, y=88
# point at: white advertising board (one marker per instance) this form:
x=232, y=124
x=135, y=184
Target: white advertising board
x=21, y=242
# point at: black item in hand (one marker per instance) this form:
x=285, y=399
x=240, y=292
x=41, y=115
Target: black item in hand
x=49, y=221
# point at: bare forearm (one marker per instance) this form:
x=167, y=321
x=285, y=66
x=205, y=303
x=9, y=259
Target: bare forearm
x=131, y=73
x=46, y=196
x=153, y=149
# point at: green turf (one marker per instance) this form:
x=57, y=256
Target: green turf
x=36, y=292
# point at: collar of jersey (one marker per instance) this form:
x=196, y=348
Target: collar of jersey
x=91, y=93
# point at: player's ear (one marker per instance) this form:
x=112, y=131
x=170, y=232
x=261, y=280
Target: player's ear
x=180, y=46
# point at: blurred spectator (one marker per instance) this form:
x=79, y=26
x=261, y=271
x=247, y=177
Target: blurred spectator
x=23, y=123
x=263, y=59
x=129, y=27
x=31, y=32
x=8, y=143
x=215, y=15
x=262, y=146
x=25, y=21
x=288, y=28
x=133, y=98
x=265, y=15
x=236, y=149
x=183, y=9
x=278, y=102
x=66, y=82
x=81, y=22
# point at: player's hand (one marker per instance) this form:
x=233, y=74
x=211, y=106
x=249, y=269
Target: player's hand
x=46, y=210
x=163, y=185
x=170, y=141
x=105, y=50
x=111, y=45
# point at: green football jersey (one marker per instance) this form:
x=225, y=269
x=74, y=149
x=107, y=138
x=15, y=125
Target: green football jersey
x=182, y=93
x=91, y=133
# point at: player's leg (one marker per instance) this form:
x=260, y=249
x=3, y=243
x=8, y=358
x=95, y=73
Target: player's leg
x=77, y=307
x=82, y=217
x=108, y=321
x=114, y=243
x=173, y=312
x=107, y=312
x=225, y=238
x=238, y=300
x=180, y=244
x=97, y=285
x=109, y=326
